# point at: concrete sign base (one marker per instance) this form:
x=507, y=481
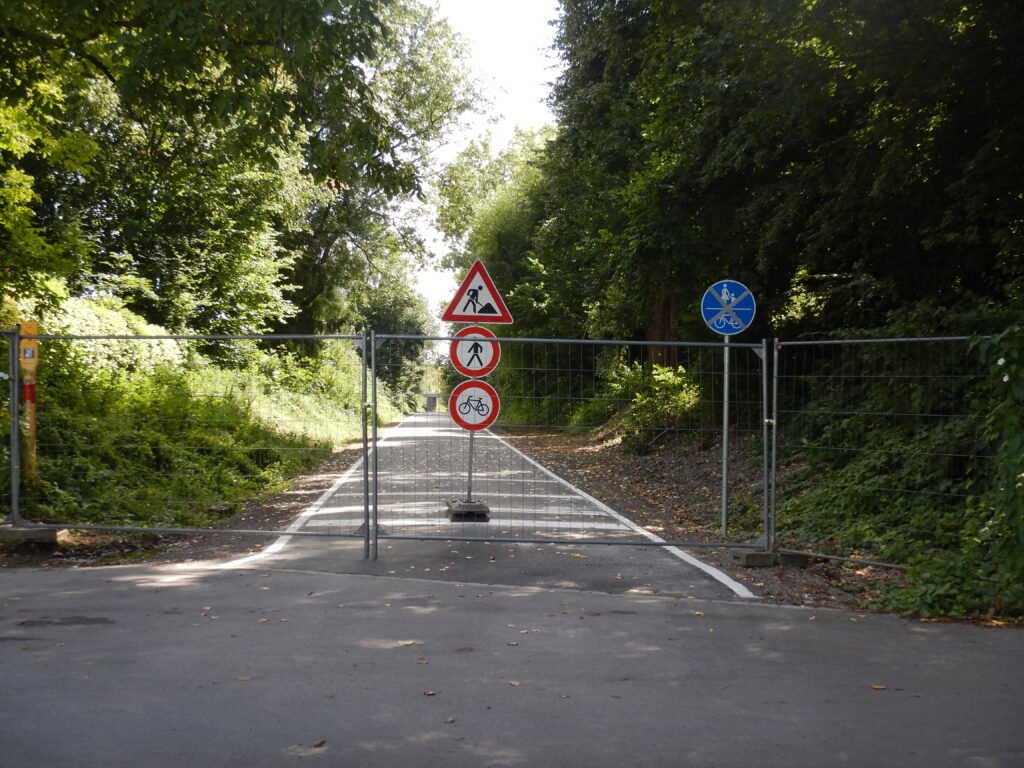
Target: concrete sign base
x=467, y=511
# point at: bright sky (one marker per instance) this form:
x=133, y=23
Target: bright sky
x=510, y=45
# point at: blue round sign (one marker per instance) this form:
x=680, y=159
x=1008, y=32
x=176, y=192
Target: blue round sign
x=728, y=307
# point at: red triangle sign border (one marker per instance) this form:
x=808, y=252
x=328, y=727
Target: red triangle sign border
x=477, y=272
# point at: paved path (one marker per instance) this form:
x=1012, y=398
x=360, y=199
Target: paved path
x=424, y=463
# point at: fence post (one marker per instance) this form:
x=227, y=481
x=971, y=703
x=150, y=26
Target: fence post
x=774, y=515
x=14, y=382
x=765, y=447
x=376, y=479
x=365, y=407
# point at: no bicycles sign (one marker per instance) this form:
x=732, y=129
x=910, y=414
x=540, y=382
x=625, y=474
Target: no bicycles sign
x=474, y=405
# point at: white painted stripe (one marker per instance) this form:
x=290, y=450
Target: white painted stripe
x=302, y=519
x=298, y=522
x=501, y=525
x=447, y=494
x=717, y=575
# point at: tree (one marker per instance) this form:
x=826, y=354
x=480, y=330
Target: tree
x=187, y=157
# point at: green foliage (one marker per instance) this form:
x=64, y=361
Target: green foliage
x=842, y=160
x=220, y=168
x=663, y=395
x=149, y=433
x=984, y=573
x=914, y=458
x=1003, y=530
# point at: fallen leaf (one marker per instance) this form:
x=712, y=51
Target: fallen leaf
x=430, y=693
x=422, y=661
x=319, y=744
x=514, y=683
x=698, y=613
x=879, y=687
x=407, y=642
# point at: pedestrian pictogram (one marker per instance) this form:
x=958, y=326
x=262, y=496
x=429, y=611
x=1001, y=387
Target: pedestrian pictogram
x=474, y=405
x=477, y=300
x=473, y=354
x=728, y=307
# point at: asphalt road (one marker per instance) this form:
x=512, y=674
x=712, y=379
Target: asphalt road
x=142, y=666
x=503, y=653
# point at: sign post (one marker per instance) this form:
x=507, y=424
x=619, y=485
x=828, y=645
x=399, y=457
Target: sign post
x=727, y=307
x=474, y=404
x=28, y=360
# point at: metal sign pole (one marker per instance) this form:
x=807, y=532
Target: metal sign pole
x=469, y=488
x=727, y=307
x=725, y=438
x=367, y=405
x=15, y=392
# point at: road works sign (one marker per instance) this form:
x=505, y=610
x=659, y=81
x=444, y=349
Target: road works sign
x=728, y=307
x=477, y=300
x=474, y=404
x=473, y=354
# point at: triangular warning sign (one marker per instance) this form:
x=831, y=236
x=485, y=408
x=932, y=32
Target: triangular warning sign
x=477, y=300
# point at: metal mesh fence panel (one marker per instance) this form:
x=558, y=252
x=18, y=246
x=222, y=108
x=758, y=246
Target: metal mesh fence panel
x=8, y=397
x=182, y=432
x=593, y=441
x=880, y=445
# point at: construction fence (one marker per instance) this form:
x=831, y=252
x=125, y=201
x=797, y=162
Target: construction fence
x=610, y=442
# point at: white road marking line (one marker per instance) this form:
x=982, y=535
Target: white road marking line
x=303, y=518
x=738, y=589
x=417, y=508
x=297, y=523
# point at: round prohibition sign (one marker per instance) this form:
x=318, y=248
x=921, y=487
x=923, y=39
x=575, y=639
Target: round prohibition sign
x=473, y=353
x=728, y=307
x=474, y=405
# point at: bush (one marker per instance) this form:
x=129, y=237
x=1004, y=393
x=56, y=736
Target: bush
x=151, y=433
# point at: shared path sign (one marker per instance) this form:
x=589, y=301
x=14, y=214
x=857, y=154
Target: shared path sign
x=728, y=307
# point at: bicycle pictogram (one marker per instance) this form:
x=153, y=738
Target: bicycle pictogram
x=474, y=404
x=722, y=322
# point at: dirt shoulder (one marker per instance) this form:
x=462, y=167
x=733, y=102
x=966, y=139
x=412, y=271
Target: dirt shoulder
x=676, y=495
